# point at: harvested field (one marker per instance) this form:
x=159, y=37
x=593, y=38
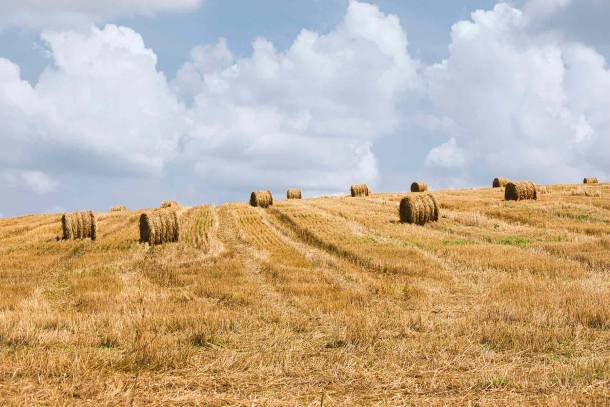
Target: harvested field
x=327, y=301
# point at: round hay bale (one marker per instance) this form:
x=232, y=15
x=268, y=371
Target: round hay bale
x=500, y=182
x=261, y=199
x=79, y=225
x=418, y=208
x=419, y=187
x=294, y=193
x=359, y=190
x=160, y=226
x=517, y=191
x=119, y=208
x=591, y=180
x=169, y=204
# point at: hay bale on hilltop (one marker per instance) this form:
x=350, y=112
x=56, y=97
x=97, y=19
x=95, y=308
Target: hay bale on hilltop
x=262, y=199
x=159, y=226
x=518, y=191
x=294, y=193
x=119, y=208
x=591, y=180
x=79, y=225
x=169, y=204
x=359, y=190
x=500, y=182
x=418, y=208
x=419, y=187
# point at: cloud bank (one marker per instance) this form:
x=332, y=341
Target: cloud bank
x=515, y=98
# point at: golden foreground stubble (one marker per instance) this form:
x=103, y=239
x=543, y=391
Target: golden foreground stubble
x=327, y=301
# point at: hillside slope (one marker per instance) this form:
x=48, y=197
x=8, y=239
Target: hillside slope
x=322, y=301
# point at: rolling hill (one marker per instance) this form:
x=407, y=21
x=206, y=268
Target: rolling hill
x=326, y=301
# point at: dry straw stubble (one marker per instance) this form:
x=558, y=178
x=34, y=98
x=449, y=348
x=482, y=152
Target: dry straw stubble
x=591, y=180
x=159, y=226
x=419, y=208
x=79, y=225
x=518, y=191
x=500, y=182
x=294, y=193
x=262, y=199
x=419, y=187
x=359, y=190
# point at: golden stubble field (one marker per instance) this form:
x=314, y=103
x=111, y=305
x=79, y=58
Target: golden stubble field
x=327, y=301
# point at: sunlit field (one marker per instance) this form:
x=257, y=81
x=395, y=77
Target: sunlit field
x=328, y=301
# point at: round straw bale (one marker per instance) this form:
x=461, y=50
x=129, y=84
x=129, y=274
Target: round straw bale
x=500, y=182
x=169, y=204
x=517, y=191
x=159, y=226
x=79, y=225
x=419, y=208
x=262, y=199
x=419, y=187
x=359, y=190
x=118, y=208
x=591, y=180
x=293, y=193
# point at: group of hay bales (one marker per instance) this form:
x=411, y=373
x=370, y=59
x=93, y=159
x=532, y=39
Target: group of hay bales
x=162, y=225
x=419, y=207
x=156, y=227
x=264, y=199
x=525, y=190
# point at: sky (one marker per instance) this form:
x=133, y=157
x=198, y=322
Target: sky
x=132, y=102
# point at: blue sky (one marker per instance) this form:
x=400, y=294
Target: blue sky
x=134, y=101
x=173, y=34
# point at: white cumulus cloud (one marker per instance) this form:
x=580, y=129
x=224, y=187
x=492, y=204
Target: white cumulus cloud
x=33, y=181
x=523, y=104
x=306, y=116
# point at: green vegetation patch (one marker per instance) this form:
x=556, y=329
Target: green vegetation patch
x=515, y=241
x=456, y=242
